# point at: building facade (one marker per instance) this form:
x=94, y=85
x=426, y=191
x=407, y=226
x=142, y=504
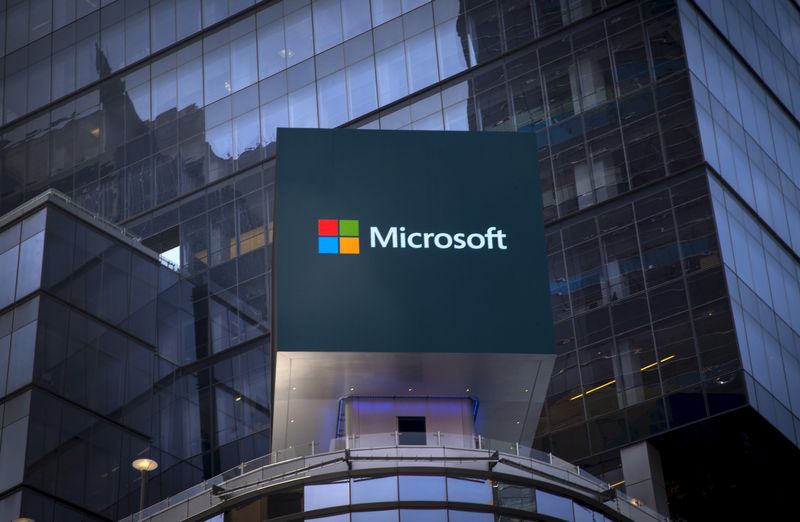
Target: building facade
x=669, y=158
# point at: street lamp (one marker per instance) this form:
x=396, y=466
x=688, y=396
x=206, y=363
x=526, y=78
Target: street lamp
x=143, y=466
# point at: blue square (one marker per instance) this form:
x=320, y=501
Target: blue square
x=328, y=245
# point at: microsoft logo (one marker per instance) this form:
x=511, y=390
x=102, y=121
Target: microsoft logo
x=338, y=236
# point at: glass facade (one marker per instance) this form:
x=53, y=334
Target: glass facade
x=416, y=498
x=95, y=338
x=743, y=85
x=669, y=161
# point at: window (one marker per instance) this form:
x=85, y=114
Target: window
x=412, y=430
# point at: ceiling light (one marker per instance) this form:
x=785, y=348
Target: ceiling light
x=95, y=132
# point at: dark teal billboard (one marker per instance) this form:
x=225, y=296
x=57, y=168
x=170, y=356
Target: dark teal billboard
x=409, y=241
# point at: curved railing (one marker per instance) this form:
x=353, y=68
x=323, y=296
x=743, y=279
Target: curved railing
x=387, y=440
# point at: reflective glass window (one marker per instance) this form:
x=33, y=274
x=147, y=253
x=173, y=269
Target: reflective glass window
x=391, y=65
x=30, y=259
x=299, y=37
x=476, y=491
x=421, y=59
x=319, y=496
x=271, y=49
x=8, y=267
x=421, y=487
x=375, y=516
x=514, y=496
x=188, y=13
x=303, y=107
x=361, y=88
x=327, y=24
x=332, y=95
x=162, y=24
x=452, y=55
x=423, y=515
x=470, y=516
x=244, y=70
x=355, y=17
x=217, y=74
x=554, y=505
x=382, y=489
x=384, y=10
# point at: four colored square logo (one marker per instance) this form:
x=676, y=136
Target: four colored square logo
x=338, y=236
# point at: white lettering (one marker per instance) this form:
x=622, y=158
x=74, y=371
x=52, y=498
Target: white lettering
x=375, y=235
x=476, y=246
x=440, y=244
x=396, y=237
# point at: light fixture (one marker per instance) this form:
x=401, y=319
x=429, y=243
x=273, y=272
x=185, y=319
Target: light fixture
x=294, y=388
x=286, y=53
x=351, y=388
x=609, y=383
x=23, y=519
x=526, y=390
x=637, y=502
x=665, y=359
x=616, y=484
x=517, y=422
x=291, y=420
x=144, y=465
x=238, y=398
x=467, y=389
x=410, y=389
x=95, y=132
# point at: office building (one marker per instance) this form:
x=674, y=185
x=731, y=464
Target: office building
x=669, y=164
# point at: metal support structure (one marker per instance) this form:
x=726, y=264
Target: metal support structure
x=142, y=489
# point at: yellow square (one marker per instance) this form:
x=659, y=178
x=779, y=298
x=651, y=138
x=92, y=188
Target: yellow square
x=348, y=245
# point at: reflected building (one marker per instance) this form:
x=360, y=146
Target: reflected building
x=669, y=148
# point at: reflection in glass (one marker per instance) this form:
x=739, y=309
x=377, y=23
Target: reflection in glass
x=391, y=64
x=375, y=516
x=416, y=487
x=383, y=489
x=318, y=496
x=475, y=491
x=423, y=515
x=554, y=505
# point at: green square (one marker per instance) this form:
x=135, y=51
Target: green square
x=348, y=227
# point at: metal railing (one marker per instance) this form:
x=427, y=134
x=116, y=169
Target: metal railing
x=392, y=440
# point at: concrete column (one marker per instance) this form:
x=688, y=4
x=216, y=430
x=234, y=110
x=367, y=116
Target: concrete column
x=644, y=478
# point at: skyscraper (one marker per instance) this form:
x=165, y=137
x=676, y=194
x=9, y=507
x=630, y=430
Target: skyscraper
x=669, y=163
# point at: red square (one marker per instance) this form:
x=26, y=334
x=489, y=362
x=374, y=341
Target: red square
x=328, y=227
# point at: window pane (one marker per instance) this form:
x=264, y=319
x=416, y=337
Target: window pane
x=217, y=72
x=361, y=89
x=421, y=56
x=375, y=516
x=421, y=488
x=8, y=267
x=355, y=17
x=391, y=74
x=318, y=496
x=244, y=71
x=271, y=49
x=476, y=491
x=515, y=497
x=327, y=24
x=332, y=100
x=452, y=55
x=30, y=268
x=553, y=505
x=384, y=10
x=299, y=38
x=423, y=515
x=382, y=489
x=470, y=516
x=303, y=107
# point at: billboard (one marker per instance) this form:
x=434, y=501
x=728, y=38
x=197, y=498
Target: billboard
x=409, y=241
